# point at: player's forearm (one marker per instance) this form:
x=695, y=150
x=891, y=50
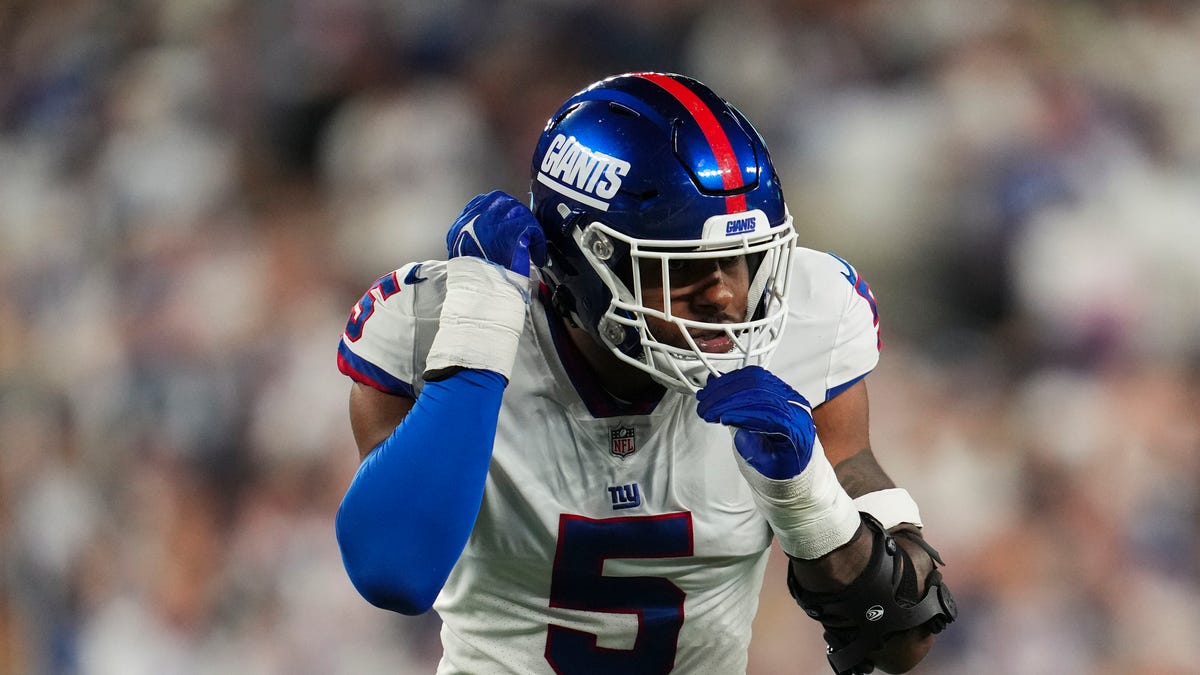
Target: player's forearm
x=861, y=473
x=864, y=595
x=412, y=505
x=838, y=570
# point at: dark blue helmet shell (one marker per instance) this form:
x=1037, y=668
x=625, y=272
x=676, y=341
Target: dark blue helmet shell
x=651, y=155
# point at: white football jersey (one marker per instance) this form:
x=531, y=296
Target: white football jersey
x=613, y=537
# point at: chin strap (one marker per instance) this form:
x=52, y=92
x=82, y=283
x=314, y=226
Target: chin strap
x=879, y=603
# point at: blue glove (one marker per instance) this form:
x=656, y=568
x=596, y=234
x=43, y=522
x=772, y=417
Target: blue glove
x=499, y=229
x=775, y=427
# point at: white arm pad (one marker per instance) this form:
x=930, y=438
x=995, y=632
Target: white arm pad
x=482, y=317
x=890, y=507
x=810, y=514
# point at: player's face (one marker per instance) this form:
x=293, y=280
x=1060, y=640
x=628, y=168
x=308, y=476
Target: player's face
x=712, y=291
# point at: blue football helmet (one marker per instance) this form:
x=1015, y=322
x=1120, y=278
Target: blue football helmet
x=650, y=169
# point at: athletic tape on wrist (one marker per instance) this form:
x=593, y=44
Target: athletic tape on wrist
x=482, y=317
x=890, y=507
x=810, y=514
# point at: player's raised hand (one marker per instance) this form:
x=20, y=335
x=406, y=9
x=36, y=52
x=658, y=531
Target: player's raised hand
x=774, y=422
x=780, y=456
x=490, y=247
x=499, y=229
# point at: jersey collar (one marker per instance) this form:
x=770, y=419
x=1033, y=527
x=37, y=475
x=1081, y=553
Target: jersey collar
x=599, y=402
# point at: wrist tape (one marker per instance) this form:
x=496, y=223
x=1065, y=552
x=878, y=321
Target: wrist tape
x=890, y=507
x=811, y=514
x=482, y=317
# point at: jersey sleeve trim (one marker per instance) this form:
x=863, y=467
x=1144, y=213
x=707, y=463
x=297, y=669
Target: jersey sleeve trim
x=834, y=391
x=857, y=344
x=365, y=372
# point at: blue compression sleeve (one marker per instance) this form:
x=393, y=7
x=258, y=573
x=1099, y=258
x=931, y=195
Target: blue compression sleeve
x=407, y=514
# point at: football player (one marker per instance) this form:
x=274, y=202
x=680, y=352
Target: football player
x=580, y=432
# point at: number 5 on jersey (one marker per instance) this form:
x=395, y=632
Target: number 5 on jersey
x=579, y=583
x=384, y=287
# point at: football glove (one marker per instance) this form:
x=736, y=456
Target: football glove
x=499, y=229
x=780, y=456
x=774, y=431
x=490, y=246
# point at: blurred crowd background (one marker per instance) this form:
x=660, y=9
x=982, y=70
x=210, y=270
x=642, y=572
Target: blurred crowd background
x=193, y=193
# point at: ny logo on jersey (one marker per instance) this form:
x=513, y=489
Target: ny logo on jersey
x=625, y=496
x=624, y=442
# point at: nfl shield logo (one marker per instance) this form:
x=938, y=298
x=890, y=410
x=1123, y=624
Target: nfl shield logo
x=623, y=442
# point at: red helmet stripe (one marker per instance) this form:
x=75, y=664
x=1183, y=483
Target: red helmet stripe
x=718, y=140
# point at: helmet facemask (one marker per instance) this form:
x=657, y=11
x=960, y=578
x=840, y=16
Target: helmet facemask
x=623, y=328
